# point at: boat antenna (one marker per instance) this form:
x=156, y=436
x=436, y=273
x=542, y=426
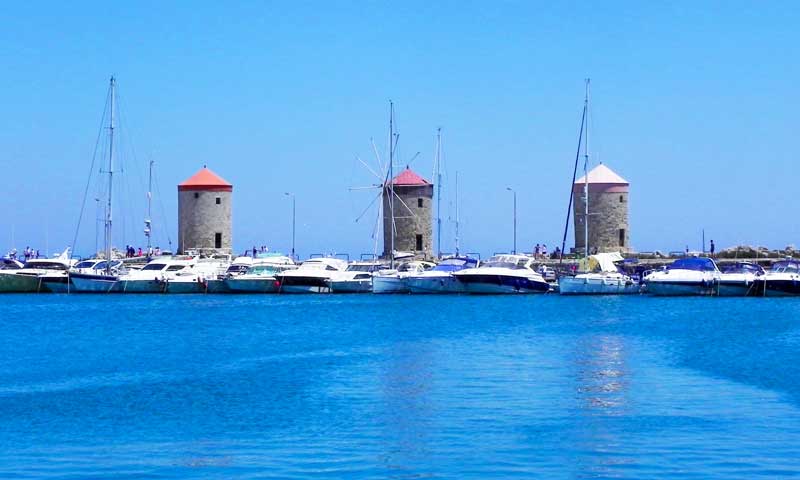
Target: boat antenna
x=438, y=168
x=110, y=179
x=586, y=179
x=572, y=186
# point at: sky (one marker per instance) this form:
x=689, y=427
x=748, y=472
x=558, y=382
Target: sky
x=694, y=103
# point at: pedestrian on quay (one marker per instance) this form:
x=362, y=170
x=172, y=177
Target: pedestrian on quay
x=536, y=251
x=713, y=247
x=544, y=250
x=140, y=251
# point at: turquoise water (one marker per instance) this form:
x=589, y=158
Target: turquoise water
x=370, y=386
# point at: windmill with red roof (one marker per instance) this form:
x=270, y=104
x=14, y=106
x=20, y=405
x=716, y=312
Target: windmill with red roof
x=204, y=213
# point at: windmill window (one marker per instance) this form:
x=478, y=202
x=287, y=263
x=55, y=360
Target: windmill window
x=219, y=201
x=196, y=195
x=621, y=237
x=419, y=242
x=621, y=199
x=218, y=240
x=419, y=203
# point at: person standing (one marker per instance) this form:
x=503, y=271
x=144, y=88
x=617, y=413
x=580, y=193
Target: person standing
x=712, y=247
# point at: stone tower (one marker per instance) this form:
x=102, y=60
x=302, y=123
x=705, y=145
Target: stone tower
x=412, y=215
x=204, y=213
x=609, y=230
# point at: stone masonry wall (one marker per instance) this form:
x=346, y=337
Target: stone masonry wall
x=607, y=216
x=409, y=224
x=200, y=218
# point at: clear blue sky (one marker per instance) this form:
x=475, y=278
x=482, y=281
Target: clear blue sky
x=695, y=103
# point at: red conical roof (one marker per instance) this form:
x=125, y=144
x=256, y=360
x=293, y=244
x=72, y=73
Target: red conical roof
x=409, y=178
x=205, y=180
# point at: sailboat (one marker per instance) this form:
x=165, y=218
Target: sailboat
x=601, y=275
x=105, y=280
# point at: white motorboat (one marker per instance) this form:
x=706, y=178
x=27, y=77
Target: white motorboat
x=782, y=280
x=10, y=282
x=196, y=277
x=503, y=274
x=739, y=279
x=603, y=278
x=95, y=276
x=356, y=279
x=312, y=276
x=440, y=279
x=51, y=273
x=396, y=280
x=686, y=276
x=153, y=277
x=259, y=277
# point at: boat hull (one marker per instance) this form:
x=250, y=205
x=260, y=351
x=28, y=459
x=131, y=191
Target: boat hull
x=389, y=285
x=679, y=289
x=502, y=284
x=89, y=283
x=777, y=287
x=217, y=286
x=303, y=284
x=595, y=286
x=252, y=285
x=435, y=285
x=183, y=287
x=142, y=286
x=15, y=283
x=351, y=286
x=56, y=283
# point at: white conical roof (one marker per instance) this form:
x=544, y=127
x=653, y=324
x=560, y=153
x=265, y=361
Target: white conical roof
x=603, y=174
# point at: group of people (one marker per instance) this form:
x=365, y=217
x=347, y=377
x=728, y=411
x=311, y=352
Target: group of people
x=132, y=252
x=27, y=254
x=256, y=250
x=540, y=251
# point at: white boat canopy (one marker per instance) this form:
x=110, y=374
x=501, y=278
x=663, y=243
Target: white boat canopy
x=604, y=261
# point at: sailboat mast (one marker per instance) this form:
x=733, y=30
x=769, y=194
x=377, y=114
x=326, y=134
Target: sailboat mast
x=586, y=178
x=457, y=219
x=391, y=181
x=110, y=177
x=439, y=192
x=148, y=223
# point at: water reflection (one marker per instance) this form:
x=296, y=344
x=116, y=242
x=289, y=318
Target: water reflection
x=407, y=418
x=603, y=379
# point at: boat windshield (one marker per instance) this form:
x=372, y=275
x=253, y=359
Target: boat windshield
x=237, y=268
x=507, y=261
x=696, y=263
x=86, y=264
x=154, y=266
x=371, y=267
x=39, y=265
x=786, y=266
x=453, y=264
x=743, y=267
x=175, y=268
x=263, y=270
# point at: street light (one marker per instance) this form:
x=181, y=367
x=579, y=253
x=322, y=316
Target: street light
x=515, y=218
x=294, y=217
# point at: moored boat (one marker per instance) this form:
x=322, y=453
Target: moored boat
x=440, y=279
x=396, y=280
x=356, y=279
x=503, y=274
x=10, y=282
x=782, y=280
x=685, y=276
x=312, y=276
x=259, y=277
x=739, y=279
x=603, y=278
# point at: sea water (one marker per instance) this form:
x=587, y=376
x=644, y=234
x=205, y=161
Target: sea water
x=367, y=386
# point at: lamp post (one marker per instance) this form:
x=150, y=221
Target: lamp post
x=294, y=218
x=515, y=218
